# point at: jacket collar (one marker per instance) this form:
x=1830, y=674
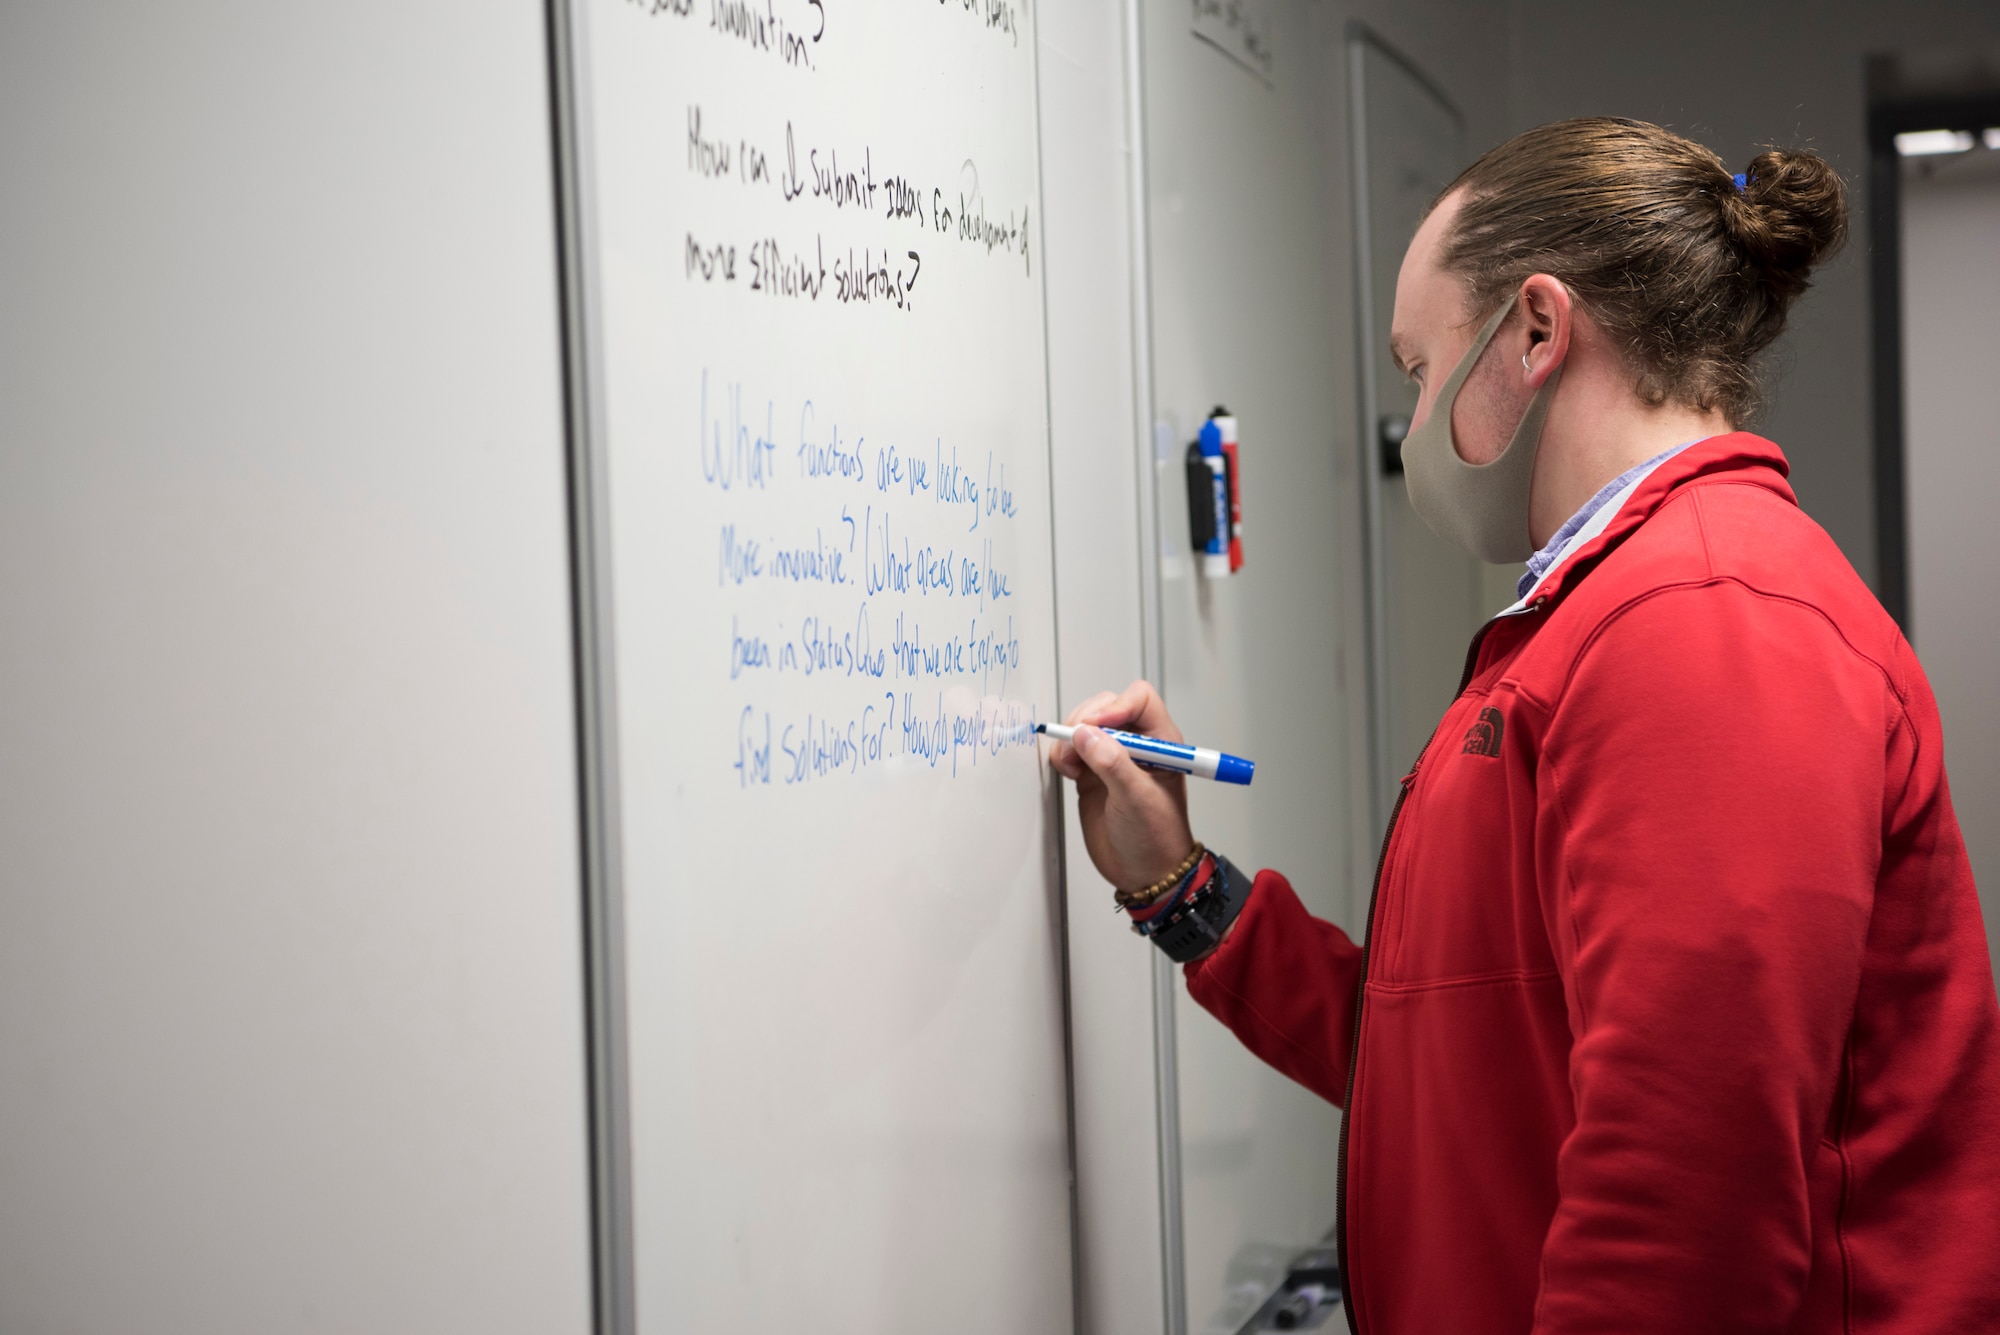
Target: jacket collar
x=1759, y=461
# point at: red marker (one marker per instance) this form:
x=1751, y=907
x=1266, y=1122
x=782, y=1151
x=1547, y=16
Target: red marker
x=1224, y=427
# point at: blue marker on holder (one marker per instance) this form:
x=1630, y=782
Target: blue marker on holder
x=1215, y=555
x=1178, y=756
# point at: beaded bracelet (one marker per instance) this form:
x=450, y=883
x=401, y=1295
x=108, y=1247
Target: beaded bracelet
x=1140, y=898
x=1147, y=919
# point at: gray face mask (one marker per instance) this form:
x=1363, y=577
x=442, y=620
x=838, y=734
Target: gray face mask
x=1482, y=508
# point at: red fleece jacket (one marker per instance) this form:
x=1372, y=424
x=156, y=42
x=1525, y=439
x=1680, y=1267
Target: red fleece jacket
x=1675, y=1013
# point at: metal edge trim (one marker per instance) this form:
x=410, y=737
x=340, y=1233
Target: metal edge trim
x=1358, y=40
x=1052, y=804
x=612, y=1279
x=1152, y=657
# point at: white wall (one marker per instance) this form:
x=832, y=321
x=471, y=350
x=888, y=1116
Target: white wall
x=1951, y=358
x=290, y=997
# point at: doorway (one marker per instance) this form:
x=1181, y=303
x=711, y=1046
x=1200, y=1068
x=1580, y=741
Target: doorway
x=1936, y=192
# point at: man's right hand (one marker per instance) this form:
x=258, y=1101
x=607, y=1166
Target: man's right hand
x=1134, y=819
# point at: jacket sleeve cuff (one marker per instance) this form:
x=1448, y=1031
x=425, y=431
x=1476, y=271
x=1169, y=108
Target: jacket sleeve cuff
x=1284, y=983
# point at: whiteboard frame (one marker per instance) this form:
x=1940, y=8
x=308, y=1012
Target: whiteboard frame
x=612, y=1242
x=1152, y=657
x=598, y=799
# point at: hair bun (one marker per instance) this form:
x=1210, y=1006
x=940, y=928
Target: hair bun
x=1791, y=214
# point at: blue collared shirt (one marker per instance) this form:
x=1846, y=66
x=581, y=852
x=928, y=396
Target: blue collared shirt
x=1572, y=533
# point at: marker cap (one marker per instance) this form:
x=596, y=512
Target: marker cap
x=1234, y=769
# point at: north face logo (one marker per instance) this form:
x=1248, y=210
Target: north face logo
x=1483, y=737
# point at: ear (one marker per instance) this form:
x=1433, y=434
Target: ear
x=1546, y=309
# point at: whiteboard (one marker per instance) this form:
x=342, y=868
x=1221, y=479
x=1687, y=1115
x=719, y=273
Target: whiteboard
x=821, y=345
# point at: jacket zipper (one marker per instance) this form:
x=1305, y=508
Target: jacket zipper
x=1348, y=1304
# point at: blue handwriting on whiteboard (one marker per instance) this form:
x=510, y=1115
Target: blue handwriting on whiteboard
x=829, y=458
x=743, y=558
x=926, y=570
x=845, y=646
x=942, y=736
x=741, y=455
x=819, y=745
x=999, y=498
x=753, y=762
x=894, y=469
x=956, y=486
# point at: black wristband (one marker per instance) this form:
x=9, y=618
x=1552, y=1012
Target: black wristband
x=1195, y=926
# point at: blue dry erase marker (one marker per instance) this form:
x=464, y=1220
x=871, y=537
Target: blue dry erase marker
x=1215, y=556
x=1196, y=760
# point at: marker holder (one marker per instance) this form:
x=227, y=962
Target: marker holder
x=1215, y=501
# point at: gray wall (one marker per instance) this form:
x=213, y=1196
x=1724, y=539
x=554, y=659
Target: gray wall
x=1738, y=77
x=290, y=996
x=1951, y=352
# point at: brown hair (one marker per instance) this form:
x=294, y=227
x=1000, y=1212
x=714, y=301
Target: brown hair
x=1650, y=232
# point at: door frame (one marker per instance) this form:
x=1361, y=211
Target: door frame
x=1889, y=115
